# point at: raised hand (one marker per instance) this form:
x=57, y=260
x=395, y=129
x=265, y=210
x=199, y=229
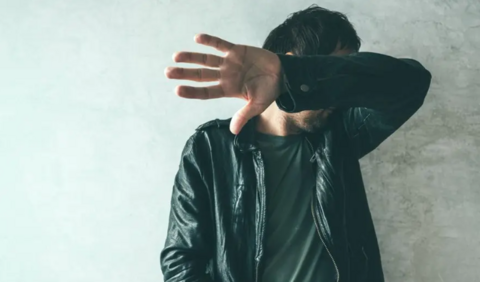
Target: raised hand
x=245, y=72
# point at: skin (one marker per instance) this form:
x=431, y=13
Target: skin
x=249, y=73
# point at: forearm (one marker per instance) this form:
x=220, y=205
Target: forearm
x=363, y=79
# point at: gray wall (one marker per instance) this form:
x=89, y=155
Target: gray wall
x=91, y=132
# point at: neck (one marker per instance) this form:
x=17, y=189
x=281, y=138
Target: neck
x=274, y=121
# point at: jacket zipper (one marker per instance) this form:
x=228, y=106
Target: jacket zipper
x=262, y=223
x=323, y=242
x=345, y=229
x=315, y=220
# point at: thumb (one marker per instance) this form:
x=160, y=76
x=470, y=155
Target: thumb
x=242, y=116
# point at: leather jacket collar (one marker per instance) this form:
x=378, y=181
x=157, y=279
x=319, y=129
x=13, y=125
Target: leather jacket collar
x=245, y=140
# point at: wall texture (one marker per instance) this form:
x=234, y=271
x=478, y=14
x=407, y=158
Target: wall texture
x=91, y=132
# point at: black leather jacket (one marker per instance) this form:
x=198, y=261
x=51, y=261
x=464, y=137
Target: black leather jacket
x=217, y=220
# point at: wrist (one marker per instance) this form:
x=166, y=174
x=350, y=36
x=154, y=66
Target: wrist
x=282, y=81
x=283, y=88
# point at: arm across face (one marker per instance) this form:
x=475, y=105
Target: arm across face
x=376, y=93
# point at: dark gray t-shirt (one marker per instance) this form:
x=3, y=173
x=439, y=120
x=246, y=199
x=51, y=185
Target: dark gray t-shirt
x=294, y=251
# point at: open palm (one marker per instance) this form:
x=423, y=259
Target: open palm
x=245, y=72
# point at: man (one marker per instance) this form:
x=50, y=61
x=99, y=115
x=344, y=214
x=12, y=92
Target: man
x=280, y=196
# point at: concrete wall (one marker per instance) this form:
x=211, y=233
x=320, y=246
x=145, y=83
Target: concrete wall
x=91, y=132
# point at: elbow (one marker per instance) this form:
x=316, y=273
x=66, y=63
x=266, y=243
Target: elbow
x=420, y=78
x=423, y=84
x=420, y=89
x=171, y=263
x=164, y=264
x=417, y=89
x=178, y=263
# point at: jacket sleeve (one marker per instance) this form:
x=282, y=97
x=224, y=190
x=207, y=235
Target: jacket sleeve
x=188, y=247
x=376, y=93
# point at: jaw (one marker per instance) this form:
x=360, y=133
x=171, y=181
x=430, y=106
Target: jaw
x=277, y=122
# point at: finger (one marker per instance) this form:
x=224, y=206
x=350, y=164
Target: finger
x=202, y=93
x=242, y=117
x=207, y=60
x=215, y=42
x=200, y=75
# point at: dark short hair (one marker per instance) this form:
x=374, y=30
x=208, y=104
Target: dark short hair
x=313, y=31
